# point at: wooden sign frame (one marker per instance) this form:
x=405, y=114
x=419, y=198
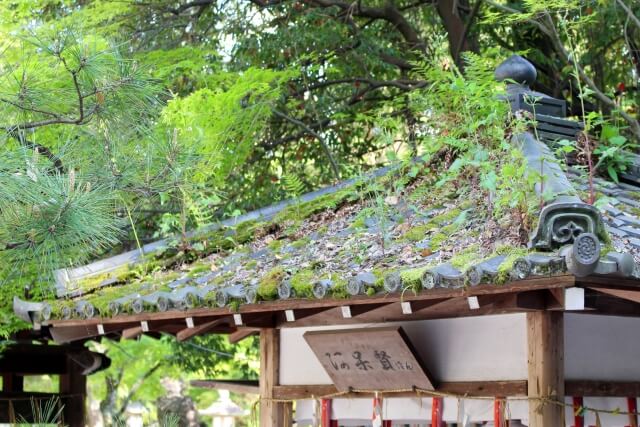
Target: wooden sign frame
x=380, y=359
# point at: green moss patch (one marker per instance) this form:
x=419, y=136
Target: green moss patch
x=302, y=283
x=466, y=258
x=268, y=286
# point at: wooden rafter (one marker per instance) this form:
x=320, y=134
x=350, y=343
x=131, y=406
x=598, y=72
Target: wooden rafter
x=242, y=333
x=189, y=332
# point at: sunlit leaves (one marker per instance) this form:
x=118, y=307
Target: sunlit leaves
x=222, y=125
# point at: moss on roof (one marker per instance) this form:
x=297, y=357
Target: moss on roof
x=347, y=242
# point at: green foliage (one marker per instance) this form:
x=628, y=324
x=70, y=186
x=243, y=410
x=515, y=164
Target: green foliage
x=138, y=366
x=471, y=127
x=613, y=151
x=212, y=356
x=292, y=186
x=240, y=113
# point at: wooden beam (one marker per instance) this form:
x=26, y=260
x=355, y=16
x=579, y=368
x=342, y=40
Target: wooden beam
x=545, y=365
x=203, y=328
x=629, y=295
x=236, y=386
x=271, y=412
x=602, y=388
x=471, y=389
x=475, y=389
x=599, y=302
x=242, y=333
x=134, y=332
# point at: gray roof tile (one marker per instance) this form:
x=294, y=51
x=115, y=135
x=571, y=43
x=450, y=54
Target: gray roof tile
x=616, y=231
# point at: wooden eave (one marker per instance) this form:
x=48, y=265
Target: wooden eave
x=603, y=295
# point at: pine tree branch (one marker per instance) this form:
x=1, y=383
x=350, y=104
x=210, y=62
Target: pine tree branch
x=40, y=149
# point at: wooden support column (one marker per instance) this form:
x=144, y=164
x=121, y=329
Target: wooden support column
x=12, y=383
x=545, y=342
x=272, y=414
x=73, y=388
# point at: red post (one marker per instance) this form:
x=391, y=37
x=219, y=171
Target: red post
x=386, y=423
x=578, y=414
x=325, y=418
x=632, y=406
x=436, y=412
x=498, y=410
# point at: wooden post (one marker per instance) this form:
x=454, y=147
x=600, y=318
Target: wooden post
x=272, y=414
x=12, y=383
x=74, y=385
x=545, y=342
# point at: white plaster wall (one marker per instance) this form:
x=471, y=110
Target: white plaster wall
x=479, y=348
x=602, y=347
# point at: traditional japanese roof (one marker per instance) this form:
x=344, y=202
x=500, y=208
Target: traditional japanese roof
x=391, y=234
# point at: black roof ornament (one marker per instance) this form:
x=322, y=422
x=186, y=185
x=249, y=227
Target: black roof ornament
x=520, y=74
x=566, y=223
x=516, y=69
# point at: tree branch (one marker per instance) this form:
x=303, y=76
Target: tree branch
x=601, y=96
x=134, y=388
x=629, y=12
x=387, y=13
x=325, y=147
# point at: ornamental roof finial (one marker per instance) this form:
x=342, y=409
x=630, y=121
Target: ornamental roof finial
x=518, y=69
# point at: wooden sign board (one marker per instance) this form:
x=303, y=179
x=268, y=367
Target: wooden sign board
x=369, y=359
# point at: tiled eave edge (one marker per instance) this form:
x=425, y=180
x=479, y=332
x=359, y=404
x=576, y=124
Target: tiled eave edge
x=533, y=284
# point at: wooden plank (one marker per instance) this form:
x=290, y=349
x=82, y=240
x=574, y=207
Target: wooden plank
x=242, y=333
x=545, y=365
x=236, y=386
x=471, y=389
x=271, y=413
x=369, y=359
